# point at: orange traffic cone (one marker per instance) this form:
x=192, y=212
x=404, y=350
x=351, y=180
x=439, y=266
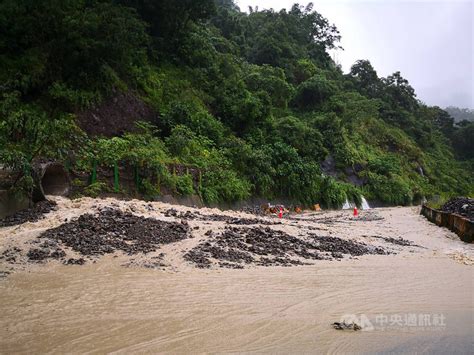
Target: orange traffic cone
x=356, y=213
x=280, y=215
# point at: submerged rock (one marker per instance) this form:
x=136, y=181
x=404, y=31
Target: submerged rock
x=346, y=326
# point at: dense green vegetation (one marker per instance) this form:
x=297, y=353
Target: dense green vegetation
x=252, y=100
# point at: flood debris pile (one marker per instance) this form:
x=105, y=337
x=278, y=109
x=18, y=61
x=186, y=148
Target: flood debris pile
x=239, y=221
x=339, y=218
x=397, y=241
x=10, y=255
x=236, y=247
x=109, y=231
x=72, y=261
x=255, y=210
x=33, y=214
x=337, y=247
x=366, y=216
x=460, y=205
x=260, y=246
x=217, y=218
x=49, y=249
x=269, y=209
x=182, y=215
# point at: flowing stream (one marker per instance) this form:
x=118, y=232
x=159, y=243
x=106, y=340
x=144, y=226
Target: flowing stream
x=106, y=307
x=350, y=205
x=365, y=204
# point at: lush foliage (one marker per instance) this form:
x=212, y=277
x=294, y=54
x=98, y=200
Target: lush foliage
x=252, y=101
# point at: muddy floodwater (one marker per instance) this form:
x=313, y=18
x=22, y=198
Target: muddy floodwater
x=412, y=298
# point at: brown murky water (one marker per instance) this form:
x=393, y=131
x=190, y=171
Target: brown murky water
x=105, y=307
x=110, y=308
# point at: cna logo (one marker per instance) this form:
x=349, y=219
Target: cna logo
x=362, y=321
x=382, y=322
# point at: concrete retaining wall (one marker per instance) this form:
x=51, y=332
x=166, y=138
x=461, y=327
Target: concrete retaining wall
x=460, y=225
x=10, y=204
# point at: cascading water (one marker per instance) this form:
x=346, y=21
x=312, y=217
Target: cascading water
x=365, y=204
x=347, y=205
x=350, y=205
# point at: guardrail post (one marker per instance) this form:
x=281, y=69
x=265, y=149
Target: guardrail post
x=94, y=172
x=116, y=177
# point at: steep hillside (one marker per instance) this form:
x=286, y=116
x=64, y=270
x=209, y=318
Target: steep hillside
x=197, y=97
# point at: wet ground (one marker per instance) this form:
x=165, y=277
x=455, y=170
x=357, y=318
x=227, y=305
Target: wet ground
x=215, y=239
x=268, y=247
x=107, y=275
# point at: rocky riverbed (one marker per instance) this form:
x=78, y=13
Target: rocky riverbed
x=131, y=276
x=267, y=247
x=112, y=230
x=156, y=235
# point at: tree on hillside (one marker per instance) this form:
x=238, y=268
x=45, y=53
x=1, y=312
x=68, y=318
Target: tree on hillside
x=366, y=79
x=169, y=19
x=463, y=140
x=253, y=100
x=83, y=47
x=399, y=92
x=278, y=38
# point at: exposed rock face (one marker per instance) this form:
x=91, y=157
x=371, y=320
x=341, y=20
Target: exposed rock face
x=328, y=167
x=115, y=115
